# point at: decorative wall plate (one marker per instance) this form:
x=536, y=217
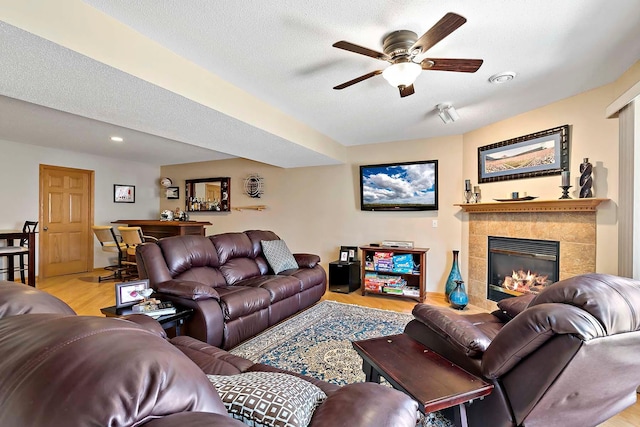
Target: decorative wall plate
x=253, y=186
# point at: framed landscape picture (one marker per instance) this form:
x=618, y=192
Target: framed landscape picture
x=538, y=154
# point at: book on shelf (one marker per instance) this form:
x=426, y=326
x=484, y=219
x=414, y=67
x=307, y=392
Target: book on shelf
x=154, y=310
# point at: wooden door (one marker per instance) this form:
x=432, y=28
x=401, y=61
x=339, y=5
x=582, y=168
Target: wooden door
x=66, y=215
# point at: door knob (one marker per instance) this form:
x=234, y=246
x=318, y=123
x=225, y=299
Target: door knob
x=45, y=228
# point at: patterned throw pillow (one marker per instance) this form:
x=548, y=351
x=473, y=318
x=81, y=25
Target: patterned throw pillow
x=268, y=398
x=278, y=255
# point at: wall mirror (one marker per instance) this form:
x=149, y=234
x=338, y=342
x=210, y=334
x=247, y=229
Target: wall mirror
x=208, y=194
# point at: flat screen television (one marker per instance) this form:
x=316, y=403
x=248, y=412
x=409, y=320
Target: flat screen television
x=409, y=186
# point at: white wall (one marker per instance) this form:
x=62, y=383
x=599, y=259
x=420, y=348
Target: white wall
x=20, y=176
x=317, y=209
x=592, y=136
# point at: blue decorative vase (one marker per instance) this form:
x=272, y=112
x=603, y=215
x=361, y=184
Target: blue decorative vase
x=453, y=276
x=459, y=298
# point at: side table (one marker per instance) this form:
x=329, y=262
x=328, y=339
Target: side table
x=430, y=379
x=168, y=321
x=344, y=276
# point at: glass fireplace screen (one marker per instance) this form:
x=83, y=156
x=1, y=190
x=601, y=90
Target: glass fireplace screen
x=519, y=266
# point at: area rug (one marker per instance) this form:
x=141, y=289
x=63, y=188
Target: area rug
x=317, y=343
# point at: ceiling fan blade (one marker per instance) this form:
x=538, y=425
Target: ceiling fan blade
x=406, y=91
x=361, y=50
x=445, y=26
x=358, y=79
x=448, y=64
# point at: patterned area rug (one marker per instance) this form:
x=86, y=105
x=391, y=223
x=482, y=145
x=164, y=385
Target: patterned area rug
x=317, y=343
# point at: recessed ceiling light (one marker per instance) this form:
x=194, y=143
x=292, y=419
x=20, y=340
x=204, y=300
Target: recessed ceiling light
x=502, y=77
x=117, y=139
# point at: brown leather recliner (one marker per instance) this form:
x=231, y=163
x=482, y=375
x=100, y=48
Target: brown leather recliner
x=228, y=282
x=59, y=369
x=567, y=357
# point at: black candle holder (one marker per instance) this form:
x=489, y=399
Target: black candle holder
x=468, y=195
x=565, y=191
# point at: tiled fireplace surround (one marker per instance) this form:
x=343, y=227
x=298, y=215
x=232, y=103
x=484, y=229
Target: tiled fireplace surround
x=575, y=230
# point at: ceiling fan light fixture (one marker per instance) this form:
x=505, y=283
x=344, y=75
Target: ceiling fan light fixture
x=447, y=113
x=402, y=73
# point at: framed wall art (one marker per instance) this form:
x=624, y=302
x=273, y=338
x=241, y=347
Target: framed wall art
x=127, y=293
x=538, y=154
x=124, y=193
x=173, y=192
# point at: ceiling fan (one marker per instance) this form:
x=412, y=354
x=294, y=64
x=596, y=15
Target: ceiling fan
x=400, y=49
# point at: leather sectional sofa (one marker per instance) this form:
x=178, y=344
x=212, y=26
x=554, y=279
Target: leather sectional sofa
x=227, y=280
x=567, y=357
x=59, y=369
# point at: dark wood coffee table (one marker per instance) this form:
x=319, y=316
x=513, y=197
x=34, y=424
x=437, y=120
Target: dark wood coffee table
x=433, y=381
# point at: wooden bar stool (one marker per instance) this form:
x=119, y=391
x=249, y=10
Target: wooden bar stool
x=112, y=244
x=132, y=237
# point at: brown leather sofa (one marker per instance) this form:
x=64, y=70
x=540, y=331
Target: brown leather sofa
x=226, y=279
x=58, y=369
x=567, y=357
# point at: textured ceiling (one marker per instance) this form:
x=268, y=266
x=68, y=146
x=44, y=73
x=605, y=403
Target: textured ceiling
x=281, y=54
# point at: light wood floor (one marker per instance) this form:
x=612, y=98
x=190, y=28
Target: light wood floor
x=86, y=296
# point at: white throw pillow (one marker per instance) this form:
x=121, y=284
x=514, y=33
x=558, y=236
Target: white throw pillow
x=268, y=399
x=278, y=255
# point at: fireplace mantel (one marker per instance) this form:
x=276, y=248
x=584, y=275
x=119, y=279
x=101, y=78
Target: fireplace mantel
x=561, y=205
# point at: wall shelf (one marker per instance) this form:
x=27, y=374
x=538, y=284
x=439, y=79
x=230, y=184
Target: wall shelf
x=561, y=205
x=253, y=208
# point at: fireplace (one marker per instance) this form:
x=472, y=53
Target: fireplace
x=519, y=266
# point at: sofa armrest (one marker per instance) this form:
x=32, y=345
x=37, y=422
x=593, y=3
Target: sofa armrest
x=511, y=307
x=212, y=360
x=364, y=405
x=306, y=260
x=215, y=361
x=195, y=419
x=454, y=328
x=531, y=329
x=148, y=323
x=187, y=289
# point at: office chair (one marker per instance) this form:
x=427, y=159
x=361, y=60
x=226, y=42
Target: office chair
x=112, y=244
x=22, y=250
x=132, y=237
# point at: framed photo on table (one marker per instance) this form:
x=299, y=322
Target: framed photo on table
x=352, y=253
x=127, y=293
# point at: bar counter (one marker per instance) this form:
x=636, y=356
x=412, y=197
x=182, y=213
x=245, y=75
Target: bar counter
x=160, y=229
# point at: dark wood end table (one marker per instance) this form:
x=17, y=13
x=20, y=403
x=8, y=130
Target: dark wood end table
x=433, y=381
x=168, y=321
